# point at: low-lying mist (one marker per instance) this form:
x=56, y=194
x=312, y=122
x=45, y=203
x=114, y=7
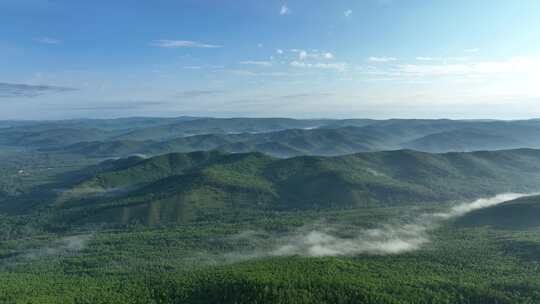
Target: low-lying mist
x=401, y=236
x=66, y=245
x=405, y=233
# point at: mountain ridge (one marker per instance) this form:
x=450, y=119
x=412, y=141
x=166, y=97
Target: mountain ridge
x=255, y=181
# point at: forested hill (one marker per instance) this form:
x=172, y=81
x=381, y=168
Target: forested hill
x=189, y=186
x=523, y=213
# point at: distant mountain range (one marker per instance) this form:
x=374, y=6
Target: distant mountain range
x=194, y=186
x=279, y=137
x=286, y=143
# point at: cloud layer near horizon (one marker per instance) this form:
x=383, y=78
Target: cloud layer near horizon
x=8, y=90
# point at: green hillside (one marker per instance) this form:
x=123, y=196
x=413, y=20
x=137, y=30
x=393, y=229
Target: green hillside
x=522, y=213
x=195, y=186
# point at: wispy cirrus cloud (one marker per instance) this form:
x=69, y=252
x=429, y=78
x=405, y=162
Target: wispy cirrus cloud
x=281, y=98
x=428, y=58
x=47, y=40
x=116, y=105
x=313, y=54
x=381, y=59
x=165, y=43
x=202, y=67
x=504, y=79
x=517, y=67
x=10, y=90
x=199, y=93
x=513, y=66
x=424, y=58
x=256, y=62
x=338, y=66
x=304, y=95
x=242, y=73
x=303, y=55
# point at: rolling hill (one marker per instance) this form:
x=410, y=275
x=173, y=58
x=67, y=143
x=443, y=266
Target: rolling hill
x=522, y=213
x=219, y=126
x=286, y=143
x=465, y=140
x=330, y=139
x=195, y=186
x=485, y=136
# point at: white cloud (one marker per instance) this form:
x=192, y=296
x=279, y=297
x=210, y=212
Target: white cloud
x=256, y=62
x=243, y=73
x=316, y=55
x=518, y=66
x=284, y=10
x=193, y=67
x=425, y=58
x=347, y=13
x=422, y=58
x=279, y=51
x=382, y=59
x=434, y=69
x=504, y=81
x=339, y=66
x=164, y=43
x=47, y=40
x=199, y=67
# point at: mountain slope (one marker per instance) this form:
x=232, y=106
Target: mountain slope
x=286, y=143
x=275, y=136
x=462, y=140
x=488, y=136
x=522, y=213
x=219, y=126
x=206, y=182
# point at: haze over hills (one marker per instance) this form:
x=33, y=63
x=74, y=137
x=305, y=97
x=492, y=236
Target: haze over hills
x=286, y=143
x=273, y=136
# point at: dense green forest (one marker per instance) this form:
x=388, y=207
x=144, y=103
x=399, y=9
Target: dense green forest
x=223, y=263
x=201, y=185
x=219, y=227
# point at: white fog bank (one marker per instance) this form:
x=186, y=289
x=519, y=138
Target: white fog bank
x=388, y=239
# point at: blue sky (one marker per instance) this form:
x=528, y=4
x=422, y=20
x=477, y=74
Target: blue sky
x=355, y=58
